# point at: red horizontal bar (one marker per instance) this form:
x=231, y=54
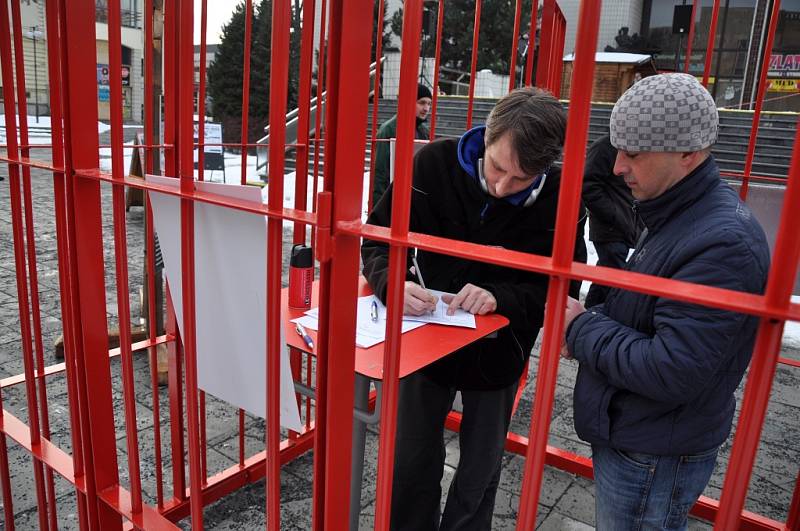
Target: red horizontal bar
x=59, y=367
x=149, y=518
x=740, y=175
x=237, y=476
x=290, y=214
x=32, y=163
x=58, y=460
x=46, y=452
x=789, y=361
x=672, y=289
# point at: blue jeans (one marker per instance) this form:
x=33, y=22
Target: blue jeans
x=636, y=491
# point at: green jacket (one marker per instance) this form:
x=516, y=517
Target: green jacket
x=386, y=131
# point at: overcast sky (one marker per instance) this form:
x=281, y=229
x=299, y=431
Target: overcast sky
x=219, y=13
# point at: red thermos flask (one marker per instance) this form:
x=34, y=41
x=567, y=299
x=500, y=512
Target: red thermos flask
x=301, y=276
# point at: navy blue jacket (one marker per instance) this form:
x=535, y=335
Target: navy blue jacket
x=657, y=375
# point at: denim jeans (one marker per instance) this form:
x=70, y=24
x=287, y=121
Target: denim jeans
x=635, y=491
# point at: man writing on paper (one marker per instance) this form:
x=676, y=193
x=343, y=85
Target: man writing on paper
x=654, y=392
x=496, y=186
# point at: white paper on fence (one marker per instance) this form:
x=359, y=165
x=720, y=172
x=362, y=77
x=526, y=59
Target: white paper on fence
x=368, y=332
x=230, y=297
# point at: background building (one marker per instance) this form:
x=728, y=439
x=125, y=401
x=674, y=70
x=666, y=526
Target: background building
x=34, y=44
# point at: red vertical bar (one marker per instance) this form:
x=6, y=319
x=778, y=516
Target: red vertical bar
x=375, y=98
x=512, y=69
x=765, y=354
x=690, y=39
x=19, y=246
x=10, y=117
x=184, y=59
x=153, y=326
x=558, y=64
x=170, y=91
x=278, y=86
x=412, y=24
x=54, y=51
x=546, y=44
x=437, y=63
x=304, y=104
x=531, y=43
x=320, y=103
x=92, y=351
x=712, y=33
x=762, y=89
x=323, y=208
x=176, y=404
x=476, y=28
x=201, y=137
x=564, y=243
x=153, y=350
x=248, y=28
x=57, y=56
x=40, y=383
x=348, y=88
x=793, y=519
x=121, y=253
x=148, y=102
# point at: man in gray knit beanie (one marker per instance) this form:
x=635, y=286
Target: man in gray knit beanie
x=655, y=388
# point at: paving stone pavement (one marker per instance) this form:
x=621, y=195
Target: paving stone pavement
x=566, y=500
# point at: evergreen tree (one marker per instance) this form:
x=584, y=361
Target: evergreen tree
x=494, y=44
x=225, y=76
x=226, y=71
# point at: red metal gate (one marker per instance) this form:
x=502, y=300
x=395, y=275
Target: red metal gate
x=105, y=501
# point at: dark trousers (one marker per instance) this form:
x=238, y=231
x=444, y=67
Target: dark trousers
x=609, y=254
x=420, y=456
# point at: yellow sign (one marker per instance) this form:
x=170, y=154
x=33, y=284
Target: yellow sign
x=783, y=85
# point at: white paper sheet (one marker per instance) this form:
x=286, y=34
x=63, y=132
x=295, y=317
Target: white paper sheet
x=230, y=296
x=368, y=332
x=439, y=315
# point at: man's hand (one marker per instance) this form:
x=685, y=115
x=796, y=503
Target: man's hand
x=418, y=301
x=573, y=310
x=472, y=299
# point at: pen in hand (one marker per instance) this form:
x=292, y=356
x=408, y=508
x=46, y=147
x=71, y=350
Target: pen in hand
x=418, y=272
x=302, y=333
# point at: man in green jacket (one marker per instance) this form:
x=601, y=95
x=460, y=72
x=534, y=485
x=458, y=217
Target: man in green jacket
x=389, y=130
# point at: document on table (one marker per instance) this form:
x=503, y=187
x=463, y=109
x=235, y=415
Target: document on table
x=439, y=315
x=368, y=332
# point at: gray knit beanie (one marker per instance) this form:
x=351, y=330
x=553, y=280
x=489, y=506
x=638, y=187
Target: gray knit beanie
x=667, y=112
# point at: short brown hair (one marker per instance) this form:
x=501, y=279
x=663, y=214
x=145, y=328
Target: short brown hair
x=537, y=124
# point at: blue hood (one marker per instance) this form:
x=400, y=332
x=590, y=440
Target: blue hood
x=471, y=146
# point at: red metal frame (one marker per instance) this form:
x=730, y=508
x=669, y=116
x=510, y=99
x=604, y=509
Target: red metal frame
x=476, y=29
x=762, y=89
x=690, y=39
x=712, y=35
x=92, y=467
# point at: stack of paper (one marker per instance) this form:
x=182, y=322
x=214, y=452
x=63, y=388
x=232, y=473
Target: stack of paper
x=369, y=332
